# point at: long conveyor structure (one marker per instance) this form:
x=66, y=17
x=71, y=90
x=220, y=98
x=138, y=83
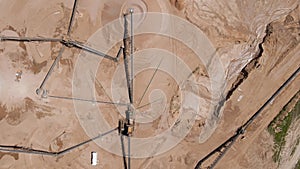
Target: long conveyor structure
x=224, y=147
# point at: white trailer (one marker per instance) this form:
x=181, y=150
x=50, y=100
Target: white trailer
x=94, y=158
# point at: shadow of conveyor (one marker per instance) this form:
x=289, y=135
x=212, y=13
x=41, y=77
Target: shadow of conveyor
x=20, y=149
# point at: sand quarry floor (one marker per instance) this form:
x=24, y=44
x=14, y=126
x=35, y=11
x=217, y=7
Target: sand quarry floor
x=52, y=124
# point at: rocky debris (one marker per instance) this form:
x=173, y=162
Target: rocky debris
x=254, y=63
x=239, y=31
x=179, y=4
x=236, y=28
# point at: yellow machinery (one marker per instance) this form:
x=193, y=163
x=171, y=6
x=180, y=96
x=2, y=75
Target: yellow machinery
x=126, y=126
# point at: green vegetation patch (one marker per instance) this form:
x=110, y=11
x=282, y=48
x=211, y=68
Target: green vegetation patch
x=280, y=125
x=297, y=165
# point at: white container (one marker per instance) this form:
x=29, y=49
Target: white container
x=94, y=158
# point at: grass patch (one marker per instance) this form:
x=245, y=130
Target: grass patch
x=280, y=125
x=297, y=165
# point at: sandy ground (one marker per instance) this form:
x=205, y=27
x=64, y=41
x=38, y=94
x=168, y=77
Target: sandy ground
x=50, y=124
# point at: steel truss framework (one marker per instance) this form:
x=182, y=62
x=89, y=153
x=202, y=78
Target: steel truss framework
x=127, y=50
x=67, y=42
